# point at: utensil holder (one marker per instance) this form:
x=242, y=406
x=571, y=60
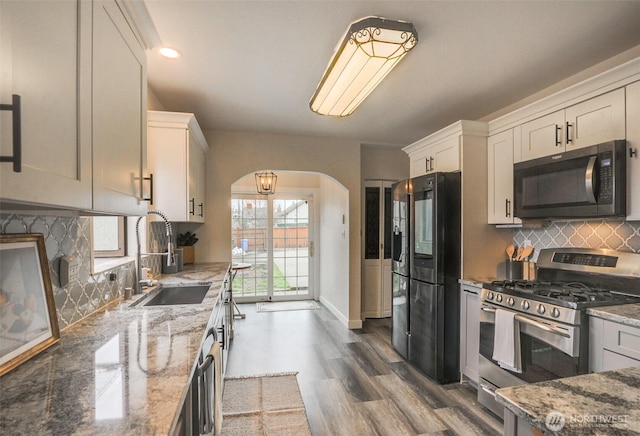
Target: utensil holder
x=529, y=270
x=514, y=269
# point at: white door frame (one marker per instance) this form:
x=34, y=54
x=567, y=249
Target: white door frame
x=311, y=291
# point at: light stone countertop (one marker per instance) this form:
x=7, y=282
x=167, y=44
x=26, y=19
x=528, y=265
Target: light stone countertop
x=475, y=281
x=599, y=403
x=602, y=403
x=628, y=314
x=122, y=370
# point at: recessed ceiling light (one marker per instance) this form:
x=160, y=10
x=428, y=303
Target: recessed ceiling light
x=170, y=53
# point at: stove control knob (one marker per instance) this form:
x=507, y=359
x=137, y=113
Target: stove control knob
x=541, y=309
x=525, y=305
x=511, y=301
x=499, y=298
x=490, y=295
x=555, y=312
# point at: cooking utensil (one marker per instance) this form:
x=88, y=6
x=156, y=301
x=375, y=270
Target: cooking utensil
x=510, y=250
x=519, y=253
x=526, y=252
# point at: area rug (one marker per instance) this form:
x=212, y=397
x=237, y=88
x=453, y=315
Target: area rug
x=276, y=306
x=268, y=404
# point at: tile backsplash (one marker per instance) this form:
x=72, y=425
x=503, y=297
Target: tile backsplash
x=70, y=236
x=613, y=234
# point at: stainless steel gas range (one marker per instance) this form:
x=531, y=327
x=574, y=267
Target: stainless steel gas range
x=548, y=315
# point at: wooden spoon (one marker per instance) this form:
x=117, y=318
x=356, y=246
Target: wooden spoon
x=510, y=250
x=519, y=253
x=526, y=252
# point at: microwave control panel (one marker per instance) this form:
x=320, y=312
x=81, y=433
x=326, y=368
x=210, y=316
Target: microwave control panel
x=606, y=178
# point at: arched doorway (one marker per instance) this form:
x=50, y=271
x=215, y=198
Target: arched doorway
x=276, y=234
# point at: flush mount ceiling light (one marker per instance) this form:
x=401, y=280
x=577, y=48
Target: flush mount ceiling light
x=369, y=50
x=266, y=182
x=170, y=53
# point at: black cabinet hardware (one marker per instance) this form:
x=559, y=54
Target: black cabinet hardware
x=14, y=107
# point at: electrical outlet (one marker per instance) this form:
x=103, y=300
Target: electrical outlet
x=69, y=270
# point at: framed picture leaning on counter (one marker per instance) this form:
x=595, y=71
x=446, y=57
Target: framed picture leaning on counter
x=28, y=320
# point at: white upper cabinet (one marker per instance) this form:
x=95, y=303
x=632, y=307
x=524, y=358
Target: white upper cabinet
x=443, y=156
x=443, y=150
x=500, y=178
x=176, y=161
x=542, y=136
x=597, y=120
x=633, y=153
x=80, y=73
x=593, y=121
x=119, y=113
x=45, y=60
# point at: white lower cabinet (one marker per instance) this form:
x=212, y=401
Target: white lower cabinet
x=469, y=331
x=612, y=345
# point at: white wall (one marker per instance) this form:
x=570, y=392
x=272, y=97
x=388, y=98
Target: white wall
x=334, y=248
x=235, y=154
x=384, y=163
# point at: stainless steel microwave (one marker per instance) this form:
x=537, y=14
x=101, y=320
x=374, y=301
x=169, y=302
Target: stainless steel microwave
x=584, y=183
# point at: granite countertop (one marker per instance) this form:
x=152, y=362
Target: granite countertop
x=602, y=403
x=475, y=281
x=124, y=369
x=628, y=314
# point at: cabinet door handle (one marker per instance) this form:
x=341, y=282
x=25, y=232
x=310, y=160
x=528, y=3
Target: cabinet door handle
x=426, y=165
x=558, y=134
x=569, y=140
x=192, y=206
x=430, y=163
x=633, y=152
x=14, y=107
x=201, y=209
x=507, y=208
x=150, y=198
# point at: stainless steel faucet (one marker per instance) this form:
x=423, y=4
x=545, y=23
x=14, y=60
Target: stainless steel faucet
x=169, y=253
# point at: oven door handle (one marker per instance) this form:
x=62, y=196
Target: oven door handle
x=533, y=322
x=488, y=390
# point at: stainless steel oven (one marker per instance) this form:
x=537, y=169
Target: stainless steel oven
x=549, y=350
x=550, y=317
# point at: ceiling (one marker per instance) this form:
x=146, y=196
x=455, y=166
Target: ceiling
x=254, y=65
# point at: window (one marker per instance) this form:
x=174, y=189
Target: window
x=108, y=236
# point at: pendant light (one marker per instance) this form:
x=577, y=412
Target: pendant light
x=266, y=182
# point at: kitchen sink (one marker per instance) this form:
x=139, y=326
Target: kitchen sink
x=174, y=295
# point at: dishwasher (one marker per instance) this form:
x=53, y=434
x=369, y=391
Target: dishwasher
x=202, y=409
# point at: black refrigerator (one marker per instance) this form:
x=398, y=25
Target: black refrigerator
x=400, y=196
x=434, y=300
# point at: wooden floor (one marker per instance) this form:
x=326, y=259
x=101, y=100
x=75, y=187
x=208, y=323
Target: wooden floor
x=352, y=381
